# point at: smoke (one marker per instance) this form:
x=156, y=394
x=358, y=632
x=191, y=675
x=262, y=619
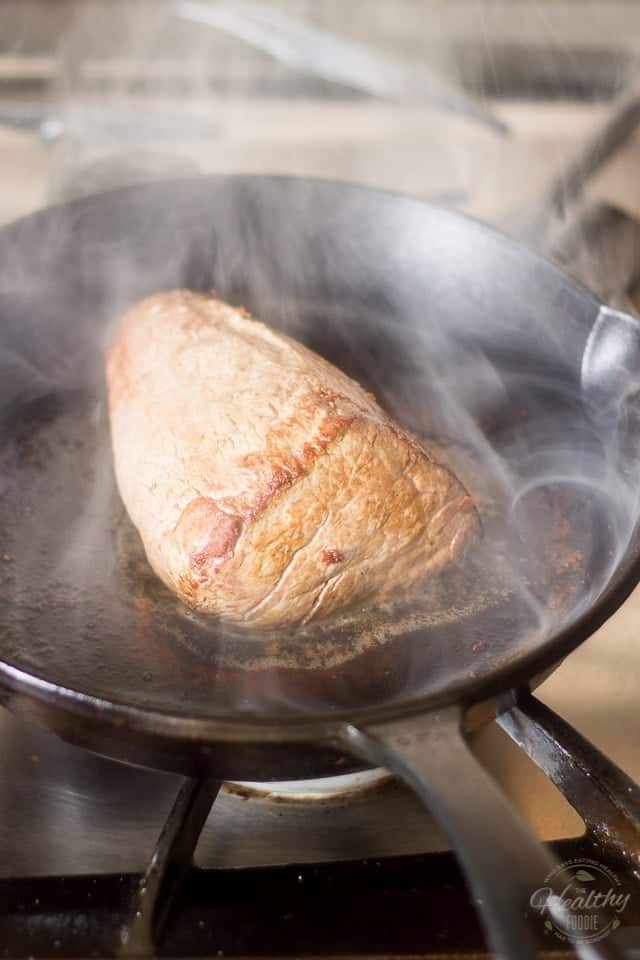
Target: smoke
x=467, y=344
x=143, y=89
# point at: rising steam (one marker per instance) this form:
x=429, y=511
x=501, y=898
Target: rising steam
x=399, y=298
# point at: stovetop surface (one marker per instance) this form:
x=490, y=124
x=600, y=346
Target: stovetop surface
x=66, y=812
x=395, y=907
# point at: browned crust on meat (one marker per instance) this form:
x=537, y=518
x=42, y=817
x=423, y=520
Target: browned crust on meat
x=330, y=555
x=209, y=529
x=224, y=547
x=277, y=468
x=207, y=532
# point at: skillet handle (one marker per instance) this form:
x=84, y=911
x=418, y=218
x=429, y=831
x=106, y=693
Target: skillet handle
x=501, y=858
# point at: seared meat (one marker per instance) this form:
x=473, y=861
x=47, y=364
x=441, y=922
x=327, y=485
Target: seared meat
x=268, y=487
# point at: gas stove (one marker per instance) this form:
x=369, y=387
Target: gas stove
x=348, y=866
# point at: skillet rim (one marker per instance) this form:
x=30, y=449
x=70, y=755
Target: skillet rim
x=178, y=727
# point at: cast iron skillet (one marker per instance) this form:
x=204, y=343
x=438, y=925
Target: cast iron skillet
x=523, y=382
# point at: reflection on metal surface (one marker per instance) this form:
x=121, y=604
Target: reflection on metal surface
x=312, y=791
x=66, y=811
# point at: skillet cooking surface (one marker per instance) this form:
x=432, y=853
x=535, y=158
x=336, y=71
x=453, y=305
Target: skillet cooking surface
x=381, y=286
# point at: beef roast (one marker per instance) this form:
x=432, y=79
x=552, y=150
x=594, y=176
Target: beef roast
x=268, y=488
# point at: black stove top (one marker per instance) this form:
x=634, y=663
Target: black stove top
x=414, y=906
x=373, y=905
x=362, y=873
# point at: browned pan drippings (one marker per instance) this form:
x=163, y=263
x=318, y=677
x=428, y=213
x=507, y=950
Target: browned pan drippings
x=379, y=285
x=467, y=591
x=101, y=614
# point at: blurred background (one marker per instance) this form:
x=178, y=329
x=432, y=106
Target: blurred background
x=522, y=113
x=408, y=95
